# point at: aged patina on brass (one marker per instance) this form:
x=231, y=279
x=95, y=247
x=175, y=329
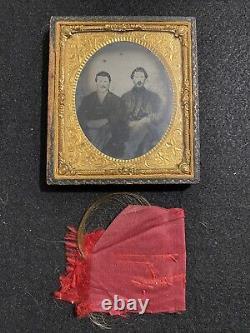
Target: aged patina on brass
x=72, y=159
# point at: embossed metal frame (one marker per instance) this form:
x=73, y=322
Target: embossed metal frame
x=61, y=171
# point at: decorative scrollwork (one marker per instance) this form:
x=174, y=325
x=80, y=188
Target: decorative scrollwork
x=65, y=168
x=76, y=157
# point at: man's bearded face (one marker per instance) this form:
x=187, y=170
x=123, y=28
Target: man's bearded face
x=102, y=84
x=139, y=79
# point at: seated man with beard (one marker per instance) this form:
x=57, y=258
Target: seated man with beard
x=143, y=111
x=101, y=117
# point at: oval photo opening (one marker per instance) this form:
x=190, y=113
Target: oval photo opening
x=124, y=100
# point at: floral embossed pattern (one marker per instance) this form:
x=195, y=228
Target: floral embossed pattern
x=86, y=151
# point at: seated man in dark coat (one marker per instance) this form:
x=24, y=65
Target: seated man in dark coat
x=101, y=117
x=144, y=113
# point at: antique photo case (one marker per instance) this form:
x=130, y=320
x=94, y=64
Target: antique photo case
x=123, y=101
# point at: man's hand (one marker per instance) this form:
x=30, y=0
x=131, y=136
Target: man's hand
x=136, y=124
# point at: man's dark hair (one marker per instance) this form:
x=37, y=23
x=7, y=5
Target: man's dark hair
x=139, y=69
x=104, y=74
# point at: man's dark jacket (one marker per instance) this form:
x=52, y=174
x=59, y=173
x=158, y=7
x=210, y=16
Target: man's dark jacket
x=141, y=103
x=111, y=109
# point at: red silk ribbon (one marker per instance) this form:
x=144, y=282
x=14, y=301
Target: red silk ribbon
x=141, y=255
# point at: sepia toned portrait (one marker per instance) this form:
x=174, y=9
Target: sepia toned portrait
x=124, y=100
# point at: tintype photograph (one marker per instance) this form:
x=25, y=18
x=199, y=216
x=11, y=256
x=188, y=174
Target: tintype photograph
x=123, y=101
